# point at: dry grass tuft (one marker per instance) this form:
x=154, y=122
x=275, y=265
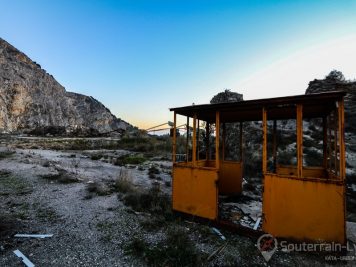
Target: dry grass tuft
x=123, y=183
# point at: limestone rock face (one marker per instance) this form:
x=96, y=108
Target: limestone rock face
x=31, y=100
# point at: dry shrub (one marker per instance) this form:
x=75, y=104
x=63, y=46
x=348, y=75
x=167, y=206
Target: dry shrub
x=98, y=189
x=152, y=201
x=175, y=250
x=123, y=182
x=62, y=177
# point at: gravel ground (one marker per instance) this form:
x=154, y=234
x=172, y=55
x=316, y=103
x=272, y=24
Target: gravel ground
x=93, y=231
x=63, y=210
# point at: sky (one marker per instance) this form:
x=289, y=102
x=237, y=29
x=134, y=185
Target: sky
x=139, y=58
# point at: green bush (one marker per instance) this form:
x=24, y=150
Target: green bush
x=129, y=159
x=134, y=160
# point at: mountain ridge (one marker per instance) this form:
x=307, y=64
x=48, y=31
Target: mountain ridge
x=33, y=101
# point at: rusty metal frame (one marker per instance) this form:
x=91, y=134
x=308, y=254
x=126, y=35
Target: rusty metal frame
x=309, y=106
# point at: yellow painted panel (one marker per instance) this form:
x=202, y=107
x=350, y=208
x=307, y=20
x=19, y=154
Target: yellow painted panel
x=315, y=172
x=195, y=191
x=304, y=210
x=230, y=177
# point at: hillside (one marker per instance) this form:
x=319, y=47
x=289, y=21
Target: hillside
x=32, y=101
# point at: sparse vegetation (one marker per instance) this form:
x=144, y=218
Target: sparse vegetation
x=152, y=201
x=79, y=144
x=62, y=177
x=153, y=171
x=153, y=145
x=46, y=164
x=98, y=189
x=107, y=229
x=6, y=154
x=12, y=184
x=96, y=156
x=130, y=159
x=175, y=250
x=47, y=214
x=123, y=182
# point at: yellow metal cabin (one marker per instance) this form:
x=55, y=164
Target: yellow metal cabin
x=299, y=202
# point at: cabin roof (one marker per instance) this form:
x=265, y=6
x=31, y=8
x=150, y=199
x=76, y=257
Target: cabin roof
x=279, y=108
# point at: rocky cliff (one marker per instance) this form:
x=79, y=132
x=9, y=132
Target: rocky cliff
x=32, y=101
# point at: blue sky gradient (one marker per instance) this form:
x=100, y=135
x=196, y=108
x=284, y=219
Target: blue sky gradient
x=141, y=57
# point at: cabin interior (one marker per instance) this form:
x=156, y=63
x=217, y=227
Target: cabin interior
x=299, y=202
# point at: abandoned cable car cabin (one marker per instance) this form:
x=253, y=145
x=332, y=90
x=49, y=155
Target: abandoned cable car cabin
x=298, y=201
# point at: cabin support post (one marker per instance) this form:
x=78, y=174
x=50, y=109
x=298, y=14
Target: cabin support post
x=194, y=149
x=187, y=142
x=325, y=143
x=275, y=145
x=207, y=144
x=198, y=139
x=223, y=140
x=264, y=148
x=336, y=140
x=329, y=143
x=217, y=140
x=174, y=137
x=241, y=142
x=341, y=139
x=300, y=140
